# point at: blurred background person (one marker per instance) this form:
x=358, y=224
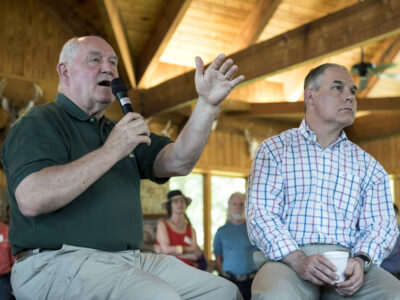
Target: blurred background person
x=175, y=236
x=232, y=248
x=6, y=259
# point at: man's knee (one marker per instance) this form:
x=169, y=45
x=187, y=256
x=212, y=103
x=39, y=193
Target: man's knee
x=227, y=290
x=161, y=292
x=272, y=295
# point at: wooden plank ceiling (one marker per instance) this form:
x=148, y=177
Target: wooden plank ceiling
x=274, y=42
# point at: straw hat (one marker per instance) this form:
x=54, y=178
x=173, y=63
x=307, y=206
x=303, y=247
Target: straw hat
x=175, y=194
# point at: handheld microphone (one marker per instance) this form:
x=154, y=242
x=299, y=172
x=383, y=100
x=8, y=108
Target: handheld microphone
x=120, y=91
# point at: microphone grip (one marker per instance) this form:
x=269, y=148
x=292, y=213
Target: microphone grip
x=125, y=102
x=126, y=108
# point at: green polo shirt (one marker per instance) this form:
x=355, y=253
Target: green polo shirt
x=108, y=215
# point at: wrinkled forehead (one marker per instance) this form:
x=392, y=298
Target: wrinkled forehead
x=237, y=199
x=94, y=44
x=334, y=74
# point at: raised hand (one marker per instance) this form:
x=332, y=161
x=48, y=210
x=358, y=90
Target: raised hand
x=216, y=82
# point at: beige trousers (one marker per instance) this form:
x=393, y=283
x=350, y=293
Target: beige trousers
x=81, y=273
x=277, y=281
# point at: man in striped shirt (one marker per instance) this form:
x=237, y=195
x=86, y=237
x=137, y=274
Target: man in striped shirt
x=311, y=190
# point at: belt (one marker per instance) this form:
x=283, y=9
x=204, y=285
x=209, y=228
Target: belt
x=30, y=252
x=243, y=277
x=5, y=275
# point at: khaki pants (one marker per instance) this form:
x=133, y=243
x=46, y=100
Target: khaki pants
x=82, y=273
x=278, y=281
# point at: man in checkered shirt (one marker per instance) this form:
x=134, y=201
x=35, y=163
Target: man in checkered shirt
x=311, y=190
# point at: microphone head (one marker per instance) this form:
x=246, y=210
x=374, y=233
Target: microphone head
x=117, y=86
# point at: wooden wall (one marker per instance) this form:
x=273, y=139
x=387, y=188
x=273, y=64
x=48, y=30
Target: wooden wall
x=30, y=44
x=386, y=151
x=225, y=152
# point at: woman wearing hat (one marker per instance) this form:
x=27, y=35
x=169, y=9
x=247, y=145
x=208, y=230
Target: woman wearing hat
x=175, y=236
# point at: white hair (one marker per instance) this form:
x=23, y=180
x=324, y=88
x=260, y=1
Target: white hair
x=69, y=50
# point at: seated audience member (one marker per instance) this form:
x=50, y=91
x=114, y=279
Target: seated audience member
x=312, y=190
x=232, y=248
x=73, y=177
x=392, y=262
x=175, y=236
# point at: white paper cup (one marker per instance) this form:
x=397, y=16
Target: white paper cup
x=339, y=259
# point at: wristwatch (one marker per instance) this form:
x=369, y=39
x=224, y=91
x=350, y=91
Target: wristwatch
x=367, y=260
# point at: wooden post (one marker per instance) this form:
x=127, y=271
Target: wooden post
x=207, y=214
x=396, y=189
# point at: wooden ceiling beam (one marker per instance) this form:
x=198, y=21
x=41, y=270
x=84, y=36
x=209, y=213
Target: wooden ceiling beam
x=160, y=37
x=119, y=32
x=260, y=129
x=351, y=27
x=374, y=126
x=255, y=23
x=260, y=110
x=386, y=54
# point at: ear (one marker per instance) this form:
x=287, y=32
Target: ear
x=62, y=70
x=308, y=96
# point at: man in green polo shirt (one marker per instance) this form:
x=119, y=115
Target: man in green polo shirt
x=74, y=176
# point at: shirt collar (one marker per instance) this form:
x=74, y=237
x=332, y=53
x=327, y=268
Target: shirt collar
x=73, y=109
x=310, y=135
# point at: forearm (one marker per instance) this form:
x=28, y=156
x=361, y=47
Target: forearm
x=180, y=250
x=266, y=230
x=190, y=256
x=293, y=259
x=180, y=157
x=377, y=244
x=54, y=187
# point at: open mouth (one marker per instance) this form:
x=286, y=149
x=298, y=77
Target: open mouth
x=104, y=83
x=348, y=109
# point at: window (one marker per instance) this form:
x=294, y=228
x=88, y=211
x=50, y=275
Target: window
x=221, y=189
x=192, y=187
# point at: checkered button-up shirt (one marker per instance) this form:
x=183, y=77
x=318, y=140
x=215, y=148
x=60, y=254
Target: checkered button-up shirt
x=300, y=194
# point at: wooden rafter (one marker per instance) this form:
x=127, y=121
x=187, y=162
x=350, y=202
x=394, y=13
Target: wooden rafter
x=69, y=19
x=351, y=27
x=377, y=125
x=160, y=37
x=259, y=110
x=116, y=23
x=255, y=23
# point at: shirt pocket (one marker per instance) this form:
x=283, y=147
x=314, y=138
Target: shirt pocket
x=346, y=195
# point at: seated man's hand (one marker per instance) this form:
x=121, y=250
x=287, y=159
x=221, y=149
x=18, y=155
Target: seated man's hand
x=315, y=268
x=355, y=277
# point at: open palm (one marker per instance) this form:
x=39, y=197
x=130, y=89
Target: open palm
x=216, y=82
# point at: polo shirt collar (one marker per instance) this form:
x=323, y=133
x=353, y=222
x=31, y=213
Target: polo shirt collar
x=73, y=109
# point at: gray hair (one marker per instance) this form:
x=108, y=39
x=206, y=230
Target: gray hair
x=69, y=50
x=313, y=79
x=234, y=195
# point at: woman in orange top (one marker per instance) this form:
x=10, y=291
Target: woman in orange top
x=175, y=236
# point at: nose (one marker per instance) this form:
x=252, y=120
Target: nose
x=108, y=68
x=350, y=96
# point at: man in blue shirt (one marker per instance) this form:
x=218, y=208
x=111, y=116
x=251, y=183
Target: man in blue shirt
x=232, y=248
